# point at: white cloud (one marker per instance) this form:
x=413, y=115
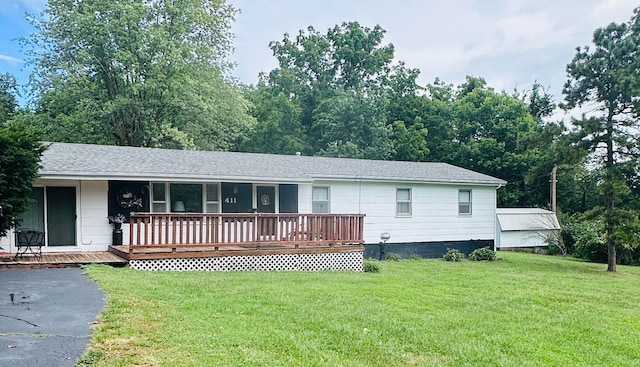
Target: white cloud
x=618, y=10
x=10, y=59
x=32, y=5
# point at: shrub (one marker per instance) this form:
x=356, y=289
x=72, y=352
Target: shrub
x=415, y=257
x=585, y=238
x=483, y=254
x=453, y=255
x=392, y=256
x=371, y=266
x=586, y=241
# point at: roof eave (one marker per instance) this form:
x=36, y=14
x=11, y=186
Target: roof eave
x=84, y=176
x=496, y=183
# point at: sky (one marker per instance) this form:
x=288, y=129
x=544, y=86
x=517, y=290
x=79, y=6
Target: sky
x=509, y=43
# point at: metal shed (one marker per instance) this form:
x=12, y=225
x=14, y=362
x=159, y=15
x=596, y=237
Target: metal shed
x=524, y=227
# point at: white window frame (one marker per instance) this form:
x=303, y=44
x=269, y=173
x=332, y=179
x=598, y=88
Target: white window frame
x=467, y=204
x=205, y=198
x=162, y=201
x=167, y=196
x=314, y=201
x=409, y=202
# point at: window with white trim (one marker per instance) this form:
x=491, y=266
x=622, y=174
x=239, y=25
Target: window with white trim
x=320, y=200
x=464, y=202
x=213, y=203
x=403, y=202
x=184, y=197
x=158, y=197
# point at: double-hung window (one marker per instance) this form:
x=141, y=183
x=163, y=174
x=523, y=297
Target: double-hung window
x=213, y=202
x=320, y=199
x=403, y=202
x=464, y=202
x=159, y=197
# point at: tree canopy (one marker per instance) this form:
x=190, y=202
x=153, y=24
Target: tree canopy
x=8, y=101
x=321, y=74
x=137, y=73
x=606, y=77
x=343, y=94
x=20, y=152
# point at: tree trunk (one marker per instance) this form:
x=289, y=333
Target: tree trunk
x=609, y=198
x=609, y=228
x=611, y=256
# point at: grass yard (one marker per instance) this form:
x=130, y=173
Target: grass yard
x=526, y=310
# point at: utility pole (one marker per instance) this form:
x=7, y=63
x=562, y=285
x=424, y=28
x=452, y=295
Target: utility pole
x=554, y=193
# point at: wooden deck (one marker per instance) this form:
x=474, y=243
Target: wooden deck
x=192, y=235
x=61, y=260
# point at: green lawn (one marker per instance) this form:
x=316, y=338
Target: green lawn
x=525, y=310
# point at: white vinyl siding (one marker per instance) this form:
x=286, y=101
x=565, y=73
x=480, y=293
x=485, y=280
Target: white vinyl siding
x=434, y=211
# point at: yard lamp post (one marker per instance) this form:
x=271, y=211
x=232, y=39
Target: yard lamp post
x=384, y=237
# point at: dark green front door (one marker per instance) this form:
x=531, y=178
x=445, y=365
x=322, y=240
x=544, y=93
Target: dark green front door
x=266, y=199
x=61, y=216
x=266, y=203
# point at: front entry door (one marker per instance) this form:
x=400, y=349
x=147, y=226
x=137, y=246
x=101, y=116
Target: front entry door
x=61, y=216
x=266, y=199
x=266, y=203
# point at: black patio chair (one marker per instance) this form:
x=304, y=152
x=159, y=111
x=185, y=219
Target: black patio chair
x=29, y=240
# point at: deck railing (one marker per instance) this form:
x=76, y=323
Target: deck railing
x=256, y=230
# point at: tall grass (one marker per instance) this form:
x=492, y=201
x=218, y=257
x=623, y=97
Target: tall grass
x=526, y=310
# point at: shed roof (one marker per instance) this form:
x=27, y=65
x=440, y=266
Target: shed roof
x=526, y=219
x=87, y=161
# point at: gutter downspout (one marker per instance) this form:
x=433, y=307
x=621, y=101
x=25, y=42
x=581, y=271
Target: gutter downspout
x=496, y=236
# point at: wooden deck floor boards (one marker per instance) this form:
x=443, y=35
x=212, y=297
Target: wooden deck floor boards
x=62, y=259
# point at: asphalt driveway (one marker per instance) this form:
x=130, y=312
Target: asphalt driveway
x=45, y=316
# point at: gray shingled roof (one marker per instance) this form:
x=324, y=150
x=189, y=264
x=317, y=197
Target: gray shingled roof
x=65, y=160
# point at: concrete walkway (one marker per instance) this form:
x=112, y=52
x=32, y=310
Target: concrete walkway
x=45, y=316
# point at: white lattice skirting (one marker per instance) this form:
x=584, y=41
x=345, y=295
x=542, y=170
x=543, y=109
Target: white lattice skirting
x=351, y=261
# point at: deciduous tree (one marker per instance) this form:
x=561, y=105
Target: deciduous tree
x=141, y=73
x=319, y=73
x=20, y=152
x=278, y=129
x=495, y=133
x=8, y=101
x=352, y=124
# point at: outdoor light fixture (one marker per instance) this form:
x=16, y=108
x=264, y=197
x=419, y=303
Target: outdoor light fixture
x=0, y=210
x=384, y=237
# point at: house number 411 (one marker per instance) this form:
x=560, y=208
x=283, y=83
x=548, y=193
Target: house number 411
x=231, y=200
